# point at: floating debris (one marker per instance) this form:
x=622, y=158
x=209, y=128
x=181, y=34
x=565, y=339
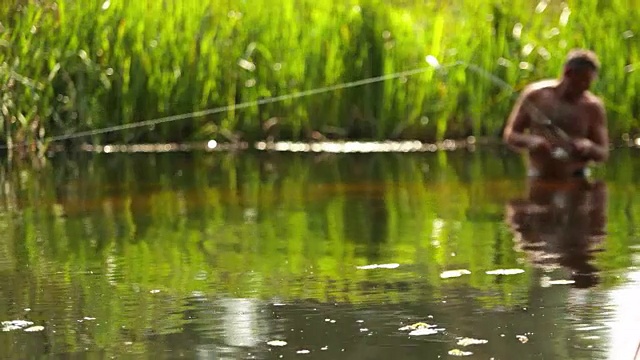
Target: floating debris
x=561, y=282
x=303, y=351
x=458, y=352
x=418, y=325
x=421, y=329
x=423, y=332
x=34, y=328
x=378, y=266
x=454, y=273
x=276, y=343
x=505, y=272
x=471, y=341
x=15, y=325
x=523, y=338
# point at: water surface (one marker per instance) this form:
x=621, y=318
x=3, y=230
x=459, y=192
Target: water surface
x=212, y=256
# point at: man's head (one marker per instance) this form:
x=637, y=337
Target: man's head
x=581, y=68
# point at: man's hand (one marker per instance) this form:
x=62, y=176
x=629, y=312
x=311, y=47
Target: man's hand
x=584, y=147
x=538, y=143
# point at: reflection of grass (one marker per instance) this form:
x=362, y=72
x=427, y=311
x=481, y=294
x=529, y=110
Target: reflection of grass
x=230, y=226
x=93, y=66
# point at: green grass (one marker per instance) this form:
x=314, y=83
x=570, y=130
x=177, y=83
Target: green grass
x=79, y=66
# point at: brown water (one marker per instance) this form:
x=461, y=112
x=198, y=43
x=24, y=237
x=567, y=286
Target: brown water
x=212, y=256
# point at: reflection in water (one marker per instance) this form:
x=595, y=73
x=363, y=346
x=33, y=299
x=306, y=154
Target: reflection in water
x=564, y=225
x=561, y=224
x=625, y=320
x=210, y=256
x=241, y=322
x=228, y=328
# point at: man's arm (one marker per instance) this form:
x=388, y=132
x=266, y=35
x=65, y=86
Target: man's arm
x=520, y=120
x=598, y=134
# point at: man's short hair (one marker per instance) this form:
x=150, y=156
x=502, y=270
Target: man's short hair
x=582, y=58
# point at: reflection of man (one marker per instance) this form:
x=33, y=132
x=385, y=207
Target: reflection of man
x=561, y=223
x=560, y=123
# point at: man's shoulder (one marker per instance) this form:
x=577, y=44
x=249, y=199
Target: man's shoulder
x=594, y=104
x=592, y=100
x=539, y=87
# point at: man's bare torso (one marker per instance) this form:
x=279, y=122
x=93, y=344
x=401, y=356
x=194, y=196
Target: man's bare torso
x=574, y=118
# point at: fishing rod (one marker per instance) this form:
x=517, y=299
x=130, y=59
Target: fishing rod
x=566, y=150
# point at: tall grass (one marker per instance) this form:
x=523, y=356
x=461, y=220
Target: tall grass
x=69, y=66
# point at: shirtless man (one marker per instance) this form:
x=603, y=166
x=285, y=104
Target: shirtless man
x=567, y=104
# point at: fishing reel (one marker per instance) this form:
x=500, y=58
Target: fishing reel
x=567, y=152
x=559, y=153
x=563, y=147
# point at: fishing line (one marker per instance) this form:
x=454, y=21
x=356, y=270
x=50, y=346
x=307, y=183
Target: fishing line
x=431, y=60
x=152, y=122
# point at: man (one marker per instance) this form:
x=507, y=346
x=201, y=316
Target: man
x=561, y=125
